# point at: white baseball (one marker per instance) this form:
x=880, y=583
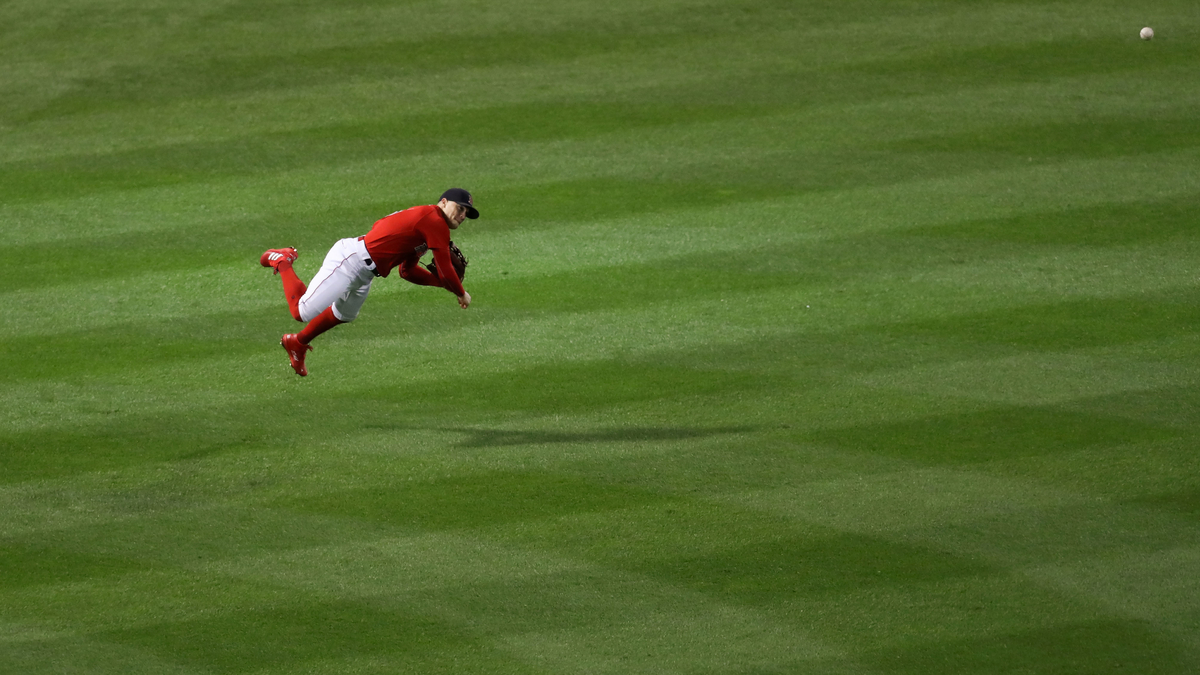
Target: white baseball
x=1147, y=33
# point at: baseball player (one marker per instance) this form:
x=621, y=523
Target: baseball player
x=397, y=241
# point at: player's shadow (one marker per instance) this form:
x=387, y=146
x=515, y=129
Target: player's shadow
x=491, y=438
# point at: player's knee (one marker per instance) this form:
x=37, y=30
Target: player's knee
x=307, y=311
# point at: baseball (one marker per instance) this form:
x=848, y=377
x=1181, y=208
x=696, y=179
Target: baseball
x=1147, y=33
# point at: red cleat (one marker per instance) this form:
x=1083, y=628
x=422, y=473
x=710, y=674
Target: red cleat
x=296, y=351
x=274, y=257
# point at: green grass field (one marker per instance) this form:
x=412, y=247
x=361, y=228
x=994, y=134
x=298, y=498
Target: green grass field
x=807, y=337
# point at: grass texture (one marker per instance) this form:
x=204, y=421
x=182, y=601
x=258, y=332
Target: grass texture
x=808, y=337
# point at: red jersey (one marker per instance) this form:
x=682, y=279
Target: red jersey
x=399, y=240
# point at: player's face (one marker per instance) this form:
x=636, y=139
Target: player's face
x=454, y=213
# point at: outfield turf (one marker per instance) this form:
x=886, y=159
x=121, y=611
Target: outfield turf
x=817, y=337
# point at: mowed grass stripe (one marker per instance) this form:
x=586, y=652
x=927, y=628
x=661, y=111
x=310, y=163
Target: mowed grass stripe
x=255, y=436
x=1095, y=645
x=1159, y=475
x=976, y=509
x=817, y=125
x=376, y=141
x=348, y=143
x=666, y=624
x=433, y=562
x=793, y=44
x=731, y=353
x=1146, y=587
x=882, y=620
x=269, y=202
x=1086, y=531
x=741, y=557
x=871, y=489
x=399, y=501
x=551, y=33
x=474, y=593
x=118, y=306
x=491, y=120
x=410, y=448
x=266, y=635
x=704, y=364
x=964, y=503
x=304, y=566
x=77, y=653
x=143, y=211
x=403, y=452
x=1073, y=379
x=516, y=333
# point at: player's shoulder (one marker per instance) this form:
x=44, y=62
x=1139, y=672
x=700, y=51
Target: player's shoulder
x=432, y=216
x=413, y=211
x=427, y=210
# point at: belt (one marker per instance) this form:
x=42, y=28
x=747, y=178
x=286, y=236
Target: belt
x=371, y=266
x=370, y=263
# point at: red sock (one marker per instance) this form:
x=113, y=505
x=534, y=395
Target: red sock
x=323, y=322
x=293, y=288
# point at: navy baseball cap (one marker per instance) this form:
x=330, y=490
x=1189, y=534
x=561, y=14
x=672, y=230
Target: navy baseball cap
x=463, y=199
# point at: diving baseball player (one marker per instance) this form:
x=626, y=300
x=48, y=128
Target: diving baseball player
x=338, y=291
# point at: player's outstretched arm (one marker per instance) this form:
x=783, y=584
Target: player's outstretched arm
x=445, y=269
x=414, y=273
x=464, y=300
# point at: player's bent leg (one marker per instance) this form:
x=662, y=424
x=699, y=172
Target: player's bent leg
x=340, y=274
x=293, y=289
x=297, y=344
x=281, y=259
x=347, y=307
x=321, y=323
x=335, y=296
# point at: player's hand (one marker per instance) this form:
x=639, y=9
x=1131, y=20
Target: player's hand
x=464, y=300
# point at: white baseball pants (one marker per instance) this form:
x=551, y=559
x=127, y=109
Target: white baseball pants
x=343, y=282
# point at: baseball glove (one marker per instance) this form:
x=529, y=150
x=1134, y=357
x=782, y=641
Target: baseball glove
x=456, y=258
